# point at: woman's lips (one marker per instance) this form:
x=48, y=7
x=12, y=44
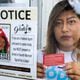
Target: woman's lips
x=66, y=37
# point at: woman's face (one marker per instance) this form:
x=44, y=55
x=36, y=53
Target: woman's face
x=67, y=29
x=2, y=43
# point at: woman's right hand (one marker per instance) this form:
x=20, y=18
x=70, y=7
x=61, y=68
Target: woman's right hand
x=40, y=70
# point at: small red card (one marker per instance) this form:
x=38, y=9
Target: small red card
x=53, y=59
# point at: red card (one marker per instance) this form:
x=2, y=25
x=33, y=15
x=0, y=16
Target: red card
x=53, y=59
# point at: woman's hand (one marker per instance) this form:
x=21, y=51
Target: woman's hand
x=40, y=70
x=73, y=70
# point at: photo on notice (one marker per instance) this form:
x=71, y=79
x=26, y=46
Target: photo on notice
x=4, y=41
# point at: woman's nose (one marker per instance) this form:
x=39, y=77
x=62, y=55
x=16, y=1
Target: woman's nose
x=65, y=28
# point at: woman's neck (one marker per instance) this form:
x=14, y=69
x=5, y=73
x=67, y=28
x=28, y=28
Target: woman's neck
x=67, y=48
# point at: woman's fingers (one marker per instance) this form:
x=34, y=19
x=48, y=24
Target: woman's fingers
x=68, y=66
x=40, y=75
x=74, y=77
x=40, y=70
x=73, y=70
x=40, y=65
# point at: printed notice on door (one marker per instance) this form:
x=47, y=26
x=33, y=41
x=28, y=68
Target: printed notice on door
x=18, y=42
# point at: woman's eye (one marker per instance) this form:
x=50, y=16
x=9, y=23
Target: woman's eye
x=71, y=22
x=58, y=23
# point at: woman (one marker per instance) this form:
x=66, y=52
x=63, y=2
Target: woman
x=4, y=44
x=63, y=35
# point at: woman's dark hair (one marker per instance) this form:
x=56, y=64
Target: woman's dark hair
x=52, y=45
x=6, y=45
